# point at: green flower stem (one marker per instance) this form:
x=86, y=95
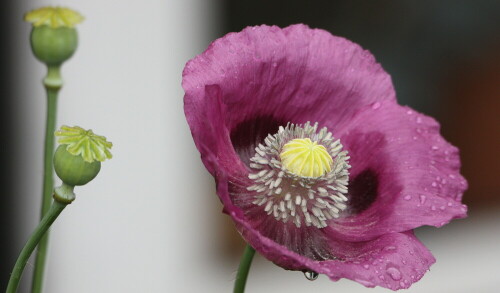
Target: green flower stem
x=53, y=84
x=244, y=268
x=35, y=238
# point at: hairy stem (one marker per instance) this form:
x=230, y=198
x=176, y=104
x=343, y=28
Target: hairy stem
x=243, y=269
x=35, y=238
x=53, y=84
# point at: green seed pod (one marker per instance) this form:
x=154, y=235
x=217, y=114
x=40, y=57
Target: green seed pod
x=74, y=170
x=53, y=46
x=54, y=38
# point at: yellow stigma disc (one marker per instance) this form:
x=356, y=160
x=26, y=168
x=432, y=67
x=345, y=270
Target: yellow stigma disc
x=306, y=158
x=54, y=17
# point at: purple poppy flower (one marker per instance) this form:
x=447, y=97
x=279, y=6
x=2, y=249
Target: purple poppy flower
x=316, y=163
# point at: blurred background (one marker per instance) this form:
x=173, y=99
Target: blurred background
x=151, y=221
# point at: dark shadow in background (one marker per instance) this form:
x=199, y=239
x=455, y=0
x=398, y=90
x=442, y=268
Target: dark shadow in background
x=7, y=251
x=415, y=41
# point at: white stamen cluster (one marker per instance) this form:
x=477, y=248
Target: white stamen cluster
x=291, y=197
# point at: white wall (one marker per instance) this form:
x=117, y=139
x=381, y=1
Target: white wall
x=144, y=222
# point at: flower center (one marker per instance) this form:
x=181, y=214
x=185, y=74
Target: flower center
x=306, y=158
x=301, y=175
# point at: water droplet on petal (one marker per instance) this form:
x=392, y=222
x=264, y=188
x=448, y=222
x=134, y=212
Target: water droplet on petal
x=434, y=147
x=402, y=284
x=310, y=275
x=433, y=208
x=409, y=112
x=408, y=197
x=376, y=106
x=450, y=204
x=419, y=120
x=389, y=248
x=366, y=266
x=422, y=199
x=394, y=273
x=451, y=176
x=434, y=184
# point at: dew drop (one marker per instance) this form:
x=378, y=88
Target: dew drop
x=402, y=284
x=433, y=208
x=394, y=273
x=409, y=112
x=310, y=275
x=366, y=266
x=450, y=204
x=434, y=184
x=451, y=176
x=442, y=208
x=389, y=248
x=434, y=147
x=422, y=199
x=408, y=197
x=419, y=120
x=375, y=106
x=381, y=277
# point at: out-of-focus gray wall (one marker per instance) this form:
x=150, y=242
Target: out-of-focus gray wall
x=145, y=220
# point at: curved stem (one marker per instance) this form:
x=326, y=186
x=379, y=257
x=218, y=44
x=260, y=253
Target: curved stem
x=52, y=83
x=38, y=234
x=243, y=269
